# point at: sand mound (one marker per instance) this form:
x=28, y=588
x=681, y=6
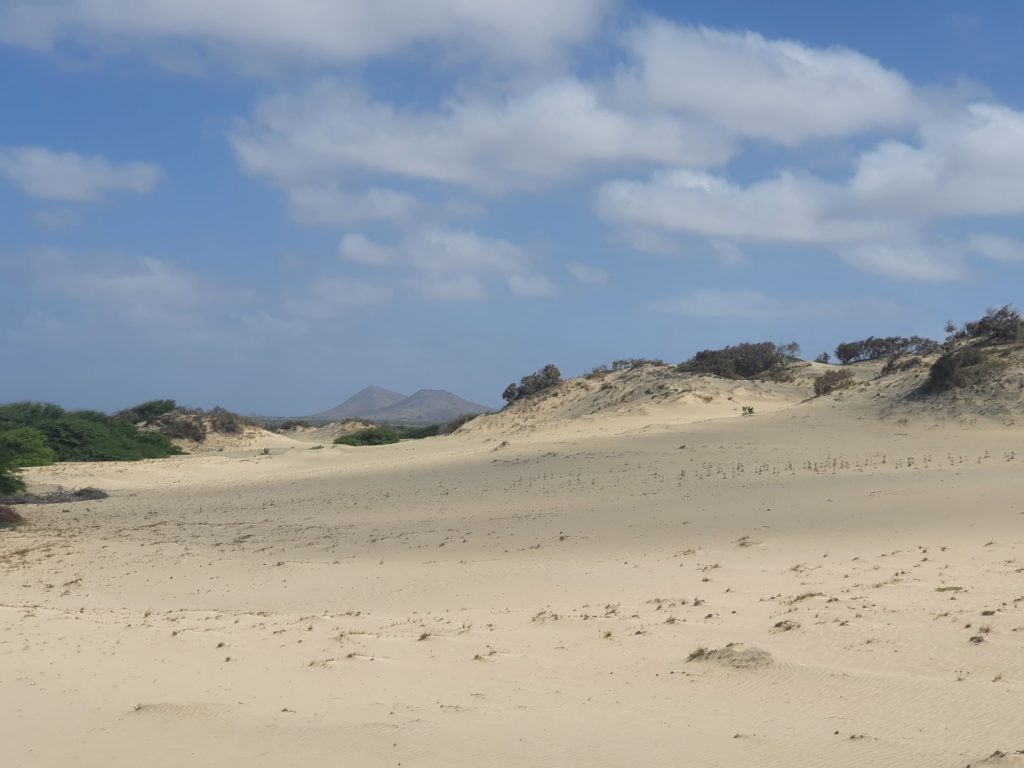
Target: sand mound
x=735, y=656
x=326, y=434
x=249, y=439
x=648, y=392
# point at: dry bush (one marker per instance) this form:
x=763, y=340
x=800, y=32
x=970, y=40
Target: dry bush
x=830, y=381
x=182, y=425
x=960, y=368
x=998, y=326
x=10, y=516
x=875, y=348
x=224, y=421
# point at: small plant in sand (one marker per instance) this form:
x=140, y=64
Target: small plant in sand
x=748, y=410
x=698, y=653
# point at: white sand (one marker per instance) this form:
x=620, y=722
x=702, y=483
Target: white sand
x=463, y=602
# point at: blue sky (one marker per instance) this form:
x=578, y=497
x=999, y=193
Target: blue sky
x=268, y=205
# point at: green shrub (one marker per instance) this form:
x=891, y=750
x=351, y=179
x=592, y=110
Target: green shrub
x=831, y=381
x=742, y=361
x=85, y=435
x=418, y=433
x=545, y=378
x=27, y=447
x=370, y=436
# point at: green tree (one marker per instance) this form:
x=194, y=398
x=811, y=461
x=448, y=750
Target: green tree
x=27, y=447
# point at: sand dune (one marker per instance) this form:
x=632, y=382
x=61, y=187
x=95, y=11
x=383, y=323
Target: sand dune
x=603, y=578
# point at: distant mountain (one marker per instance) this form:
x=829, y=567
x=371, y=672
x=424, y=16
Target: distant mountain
x=369, y=400
x=428, y=406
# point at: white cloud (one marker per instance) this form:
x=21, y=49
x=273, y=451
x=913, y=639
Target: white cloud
x=769, y=89
x=996, y=247
x=787, y=208
x=967, y=164
x=882, y=218
x=452, y=264
x=45, y=174
x=542, y=136
x=360, y=249
x=119, y=294
x=455, y=251
x=141, y=286
x=330, y=297
x=256, y=33
x=728, y=253
x=586, y=274
x=452, y=287
x=326, y=204
x=536, y=286
x=911, y=261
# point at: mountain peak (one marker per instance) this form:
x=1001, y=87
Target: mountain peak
x=425, y=406
x=367, y=400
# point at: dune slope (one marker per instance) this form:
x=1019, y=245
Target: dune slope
x=812, y=585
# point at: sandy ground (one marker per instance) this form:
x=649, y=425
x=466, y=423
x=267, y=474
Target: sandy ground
x=533, y=600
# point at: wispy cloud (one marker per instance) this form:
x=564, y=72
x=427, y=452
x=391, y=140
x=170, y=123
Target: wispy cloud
x=453, y=265
x=260, y=34
x=49, y=175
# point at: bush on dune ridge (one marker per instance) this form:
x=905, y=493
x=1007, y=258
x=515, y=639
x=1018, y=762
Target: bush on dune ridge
x=545, y=378
x=876, y=348
x=742, y=361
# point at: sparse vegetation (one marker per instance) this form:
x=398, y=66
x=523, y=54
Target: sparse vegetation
x=456, y=423
x=60, y=496
x=194, y=423
x=824, y=357
x=997, y=326
x=147, y=411
x=830, y=381
x=742, y=361
x=370, y=436
x=545, y=378
x=385, y=434
x=224, y=421
x=875, y=348
x=959, y=368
